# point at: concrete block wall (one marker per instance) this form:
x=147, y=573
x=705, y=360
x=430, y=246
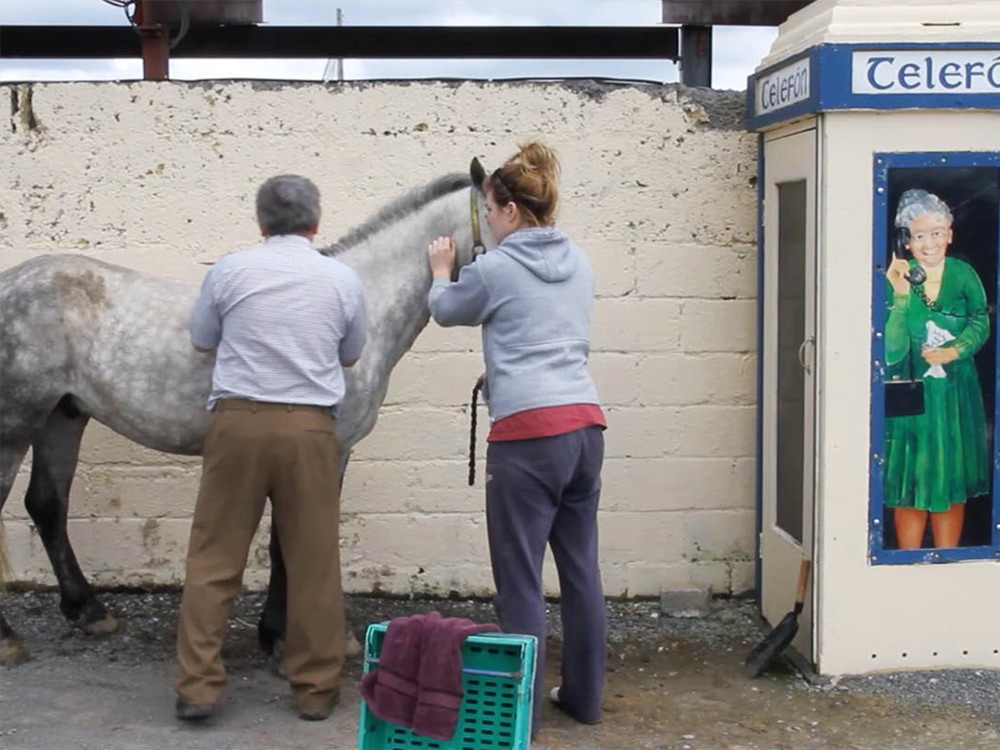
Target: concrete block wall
x=658, y=187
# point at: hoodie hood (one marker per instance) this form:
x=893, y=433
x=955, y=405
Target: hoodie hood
x=545, y=251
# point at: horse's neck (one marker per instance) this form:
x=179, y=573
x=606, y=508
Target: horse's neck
x=393, y=266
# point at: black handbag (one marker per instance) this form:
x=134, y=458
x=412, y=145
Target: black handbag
x=904, y=398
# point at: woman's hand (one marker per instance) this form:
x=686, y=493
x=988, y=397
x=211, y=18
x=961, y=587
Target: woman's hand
x=441, y=256
x=897, y=274
x=940, y=355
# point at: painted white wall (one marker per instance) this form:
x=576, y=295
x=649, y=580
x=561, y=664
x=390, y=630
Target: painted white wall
x=657, y=187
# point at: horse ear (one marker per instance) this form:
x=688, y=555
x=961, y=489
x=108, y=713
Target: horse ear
x=477, y=173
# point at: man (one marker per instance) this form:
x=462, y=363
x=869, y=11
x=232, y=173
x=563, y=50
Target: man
x=283, y=321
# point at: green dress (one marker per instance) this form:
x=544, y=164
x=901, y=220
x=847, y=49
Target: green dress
x=938, y=458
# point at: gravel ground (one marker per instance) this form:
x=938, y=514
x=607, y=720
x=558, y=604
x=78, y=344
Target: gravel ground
x=976, y=689
x=636, y=628
x=672, y=684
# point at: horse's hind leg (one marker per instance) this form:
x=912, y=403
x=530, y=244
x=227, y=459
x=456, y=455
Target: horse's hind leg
x=55, y=453
x=12, y=650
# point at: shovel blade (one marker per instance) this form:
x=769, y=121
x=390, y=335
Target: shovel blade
x=765, y=652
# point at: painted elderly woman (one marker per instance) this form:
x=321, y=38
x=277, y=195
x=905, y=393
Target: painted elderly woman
x=936, y=460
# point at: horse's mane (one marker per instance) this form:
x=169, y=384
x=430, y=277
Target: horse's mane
x=398, y=209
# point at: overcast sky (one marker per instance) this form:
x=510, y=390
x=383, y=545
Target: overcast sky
x=736, y=50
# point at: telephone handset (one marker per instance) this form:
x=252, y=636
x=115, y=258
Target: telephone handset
x=917, y=275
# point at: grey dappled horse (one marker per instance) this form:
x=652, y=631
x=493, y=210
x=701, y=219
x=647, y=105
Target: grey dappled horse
x=82, y=339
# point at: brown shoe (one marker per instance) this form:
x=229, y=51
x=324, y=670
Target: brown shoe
x=318, y=714
x=192, y=711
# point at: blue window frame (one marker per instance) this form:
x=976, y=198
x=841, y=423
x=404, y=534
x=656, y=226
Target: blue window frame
x=969, y=183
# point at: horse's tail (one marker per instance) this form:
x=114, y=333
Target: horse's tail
x=4, y=570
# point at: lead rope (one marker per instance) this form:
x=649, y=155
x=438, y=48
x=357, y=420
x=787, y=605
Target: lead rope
x=472, y=432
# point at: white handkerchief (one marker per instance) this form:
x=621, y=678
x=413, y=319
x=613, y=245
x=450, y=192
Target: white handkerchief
x=936, y=336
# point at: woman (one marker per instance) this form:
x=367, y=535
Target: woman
x=936, y=460
x=533, y=296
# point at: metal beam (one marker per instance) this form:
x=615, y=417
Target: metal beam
x=696, y=56
x=86, y=42
x=730, y=12
x=155, y=52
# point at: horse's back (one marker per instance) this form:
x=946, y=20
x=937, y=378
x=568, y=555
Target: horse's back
x=44, y=266
x=82, y=282
x=39, y=284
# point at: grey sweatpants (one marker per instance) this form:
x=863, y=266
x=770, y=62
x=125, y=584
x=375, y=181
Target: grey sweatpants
x=546, y=490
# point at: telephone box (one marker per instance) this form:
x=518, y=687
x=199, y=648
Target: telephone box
x=878, y=421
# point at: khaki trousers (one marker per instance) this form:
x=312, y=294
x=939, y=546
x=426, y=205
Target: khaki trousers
x=254, y=451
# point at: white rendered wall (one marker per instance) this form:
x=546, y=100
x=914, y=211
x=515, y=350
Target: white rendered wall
x=658, y=187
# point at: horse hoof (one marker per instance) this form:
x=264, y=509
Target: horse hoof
x=351, y=645
x=276, y=662
x=13, y=652
x=277, y=667
x=104, y=626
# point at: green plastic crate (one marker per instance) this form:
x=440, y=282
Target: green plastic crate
x=498, y=674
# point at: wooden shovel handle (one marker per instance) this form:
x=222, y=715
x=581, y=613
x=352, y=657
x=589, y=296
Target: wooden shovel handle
x=800, y=594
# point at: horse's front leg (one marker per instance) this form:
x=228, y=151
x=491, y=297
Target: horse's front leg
x=54, y=458
x=271, y=627
x=12, y=650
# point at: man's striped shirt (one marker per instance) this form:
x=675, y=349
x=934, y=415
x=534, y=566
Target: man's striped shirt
x=282, y=317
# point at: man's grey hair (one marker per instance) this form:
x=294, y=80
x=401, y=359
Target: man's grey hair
x=288, y=204
x=912, y=203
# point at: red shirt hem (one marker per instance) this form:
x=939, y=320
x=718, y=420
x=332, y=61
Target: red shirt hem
x=547, y=421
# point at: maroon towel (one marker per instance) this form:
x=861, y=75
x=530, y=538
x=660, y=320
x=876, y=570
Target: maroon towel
x=391, y=689
x=418, y=683
x=440, y=679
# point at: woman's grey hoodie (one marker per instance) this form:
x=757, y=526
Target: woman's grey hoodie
x=532, y=295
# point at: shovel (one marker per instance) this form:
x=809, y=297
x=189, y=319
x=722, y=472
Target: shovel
x=765, y=652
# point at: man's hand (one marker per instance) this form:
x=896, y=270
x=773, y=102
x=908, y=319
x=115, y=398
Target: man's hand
x=441, y=256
